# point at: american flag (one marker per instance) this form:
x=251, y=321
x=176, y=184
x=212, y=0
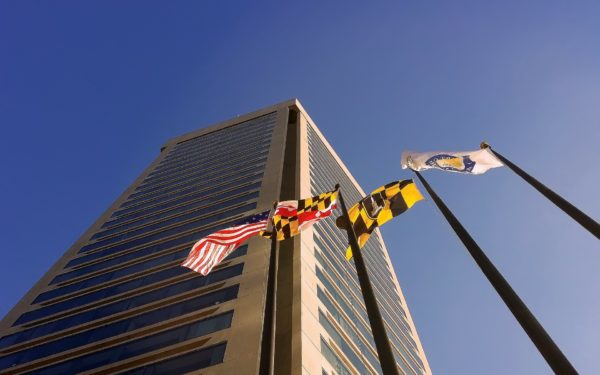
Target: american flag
x=212, y=249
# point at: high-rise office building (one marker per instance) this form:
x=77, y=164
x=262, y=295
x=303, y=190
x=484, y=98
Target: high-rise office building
x=118, y=301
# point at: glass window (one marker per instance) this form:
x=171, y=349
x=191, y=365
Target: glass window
x=169, y=243
x=206, y=171
x=138, y=300
x=166, y=233
x=199, y=183
x=214, y=149
x=174, y=219
x=210, y=165
x=252, y=145
x=116, y=328
x=177, y=200
x=140, y=346
x=324, y=173
x=340, y=342
x=208, y=177
x=333, y=359
x=188, y=362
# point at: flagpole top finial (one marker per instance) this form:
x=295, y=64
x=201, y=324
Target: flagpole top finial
x=484, y=145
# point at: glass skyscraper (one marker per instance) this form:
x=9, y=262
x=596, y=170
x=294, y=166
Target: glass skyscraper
x=118, y=301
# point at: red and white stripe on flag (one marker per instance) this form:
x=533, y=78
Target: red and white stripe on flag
x=212, y=249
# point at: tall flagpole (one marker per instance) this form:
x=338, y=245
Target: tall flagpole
x=382, y=343
x=546, y=346
x=267, y=352
x=576, y=214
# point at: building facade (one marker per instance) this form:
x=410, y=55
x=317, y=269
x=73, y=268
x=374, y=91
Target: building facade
x=118, y=300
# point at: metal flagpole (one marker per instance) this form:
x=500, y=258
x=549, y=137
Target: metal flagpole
x=382, y=343
x=546, y=346
x=584, y=220
x=267, y=352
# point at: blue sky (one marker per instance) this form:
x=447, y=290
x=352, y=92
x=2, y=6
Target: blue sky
x=90, y=90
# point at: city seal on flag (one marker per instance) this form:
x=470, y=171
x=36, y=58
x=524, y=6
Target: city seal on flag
x=467, y=162
x=451, y=163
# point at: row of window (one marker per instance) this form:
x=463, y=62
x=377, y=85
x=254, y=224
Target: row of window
x=359, y=323
x=209, y=162
x=114, y=328
x=358, y=305
x=205, y=171
x=190, y=202
x=348, y=351
x=209, y=158
x=333, y=359
x=353, y=288
x=153, y=264
x=175, y=159
x=177, y=156
x=344, y=306
x=325, y=172
x=230, y=132
x=184, y=241
x=350, y=330
x=349, y=292
x=202, y=181
x=198, y=176
x=196, y=360
x=356, y=302
x=97, y=296
x=329, y=235
x=326, y=162
x=377, y=252
x=342, y=287
x=124, y=271
x=235, y=132
x=187, y=215
x=204, y=162
x=382, y=293
x=193, y=184
x=236, y=209
x=400, y=327
x=190, y=186
x=140, y=346
x=130, y=302
x=383, y=287
x=374, y=254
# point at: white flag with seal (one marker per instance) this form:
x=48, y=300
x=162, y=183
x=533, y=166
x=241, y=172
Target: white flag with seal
x=471, y=162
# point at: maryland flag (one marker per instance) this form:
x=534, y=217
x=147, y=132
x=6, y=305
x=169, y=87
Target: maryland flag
x=376, y=209
x=291, y=217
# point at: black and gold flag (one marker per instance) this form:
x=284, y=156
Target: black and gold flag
x=383, y=204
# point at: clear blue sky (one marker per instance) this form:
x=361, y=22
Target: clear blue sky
x=90, y=90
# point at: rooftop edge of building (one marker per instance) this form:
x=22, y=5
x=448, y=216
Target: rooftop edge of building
x=233, y=121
